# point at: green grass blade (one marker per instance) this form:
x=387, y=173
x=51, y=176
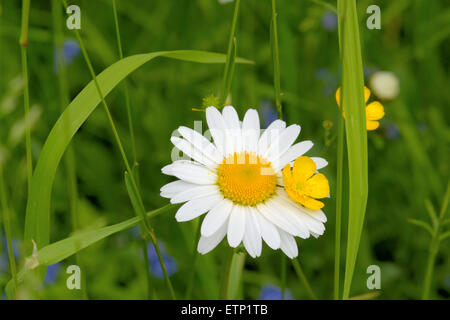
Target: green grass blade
x=234, y=276
x=60, y=250
x=355, y=124
x=37, y=221
x=422, y=224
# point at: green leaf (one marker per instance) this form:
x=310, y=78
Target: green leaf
x=60, y=250
x=37, y=220
x=234, y=278
x=431, y=212
x=355, y=125
x=444, y=236
x=367, y=296
x=422, y=224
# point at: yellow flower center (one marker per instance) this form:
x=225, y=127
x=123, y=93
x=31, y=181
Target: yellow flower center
x=246, y=179
x=303, y=185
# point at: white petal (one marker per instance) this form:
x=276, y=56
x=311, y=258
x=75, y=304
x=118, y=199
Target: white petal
x=272, y=131
x=250, y=130
x=269, y=232
x=272, y=214
x=216, y=217
x=320, y=162
x=201, y=143
x=282, y=144
x=288, y=244
x=206, y=244
x=292, y=153
x=193, y=152
x=234, y=134
x=172, y=188
x=252, y=235
x=312, y=224
x=236, y=226
x=316, y=214
x=217, y=128
x=191, y=172
x=289, y=212
x=196, y=207
x=197, y=191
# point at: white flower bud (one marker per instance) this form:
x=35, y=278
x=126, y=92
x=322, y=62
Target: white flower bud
x=385, y=85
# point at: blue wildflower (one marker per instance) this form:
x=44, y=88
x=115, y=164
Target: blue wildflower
x=135, y=232
x=268, y=112
x=329, y=21
x=4, y=256
x=330, y=81
x=271, y=292
x=52, y=273
x=155, y=266
x=71, y=49
x=392, y=132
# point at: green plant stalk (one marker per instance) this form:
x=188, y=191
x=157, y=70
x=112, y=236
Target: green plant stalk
x=339, y=175
x=326, y=5
x=434, y=246
x=133, y=146
x=7, y=226
x=193, y=260
x=229, y=65
x=70, y=164
x=276, y=60
x=125, y=86
x=283, y=275
x=233, y=275
x=60, y=250
x=433, y=250
x=23, y=41
x=356, y=134
x=145, y=222
x=303, y=279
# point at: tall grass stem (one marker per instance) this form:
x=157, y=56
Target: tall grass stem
x=145, y=223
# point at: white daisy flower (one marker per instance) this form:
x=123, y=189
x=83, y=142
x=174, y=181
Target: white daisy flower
x=244, y=182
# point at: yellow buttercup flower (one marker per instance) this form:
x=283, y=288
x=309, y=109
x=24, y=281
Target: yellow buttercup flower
x=374, y=110
x=304, y=185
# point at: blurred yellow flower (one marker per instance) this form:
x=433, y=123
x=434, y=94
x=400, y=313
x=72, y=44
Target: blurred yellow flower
x=374, y=110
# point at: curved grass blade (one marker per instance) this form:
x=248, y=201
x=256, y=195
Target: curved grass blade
x=37, y=221
x=355, y=125
x=60, y=250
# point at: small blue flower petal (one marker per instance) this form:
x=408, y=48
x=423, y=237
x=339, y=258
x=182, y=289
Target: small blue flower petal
x=52, y=273
x=271, y=292
x=71, y=49
x=268, y=112
x=155, y=266
x=329, y=21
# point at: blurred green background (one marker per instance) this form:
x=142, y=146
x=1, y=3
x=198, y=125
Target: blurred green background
x=408, y=154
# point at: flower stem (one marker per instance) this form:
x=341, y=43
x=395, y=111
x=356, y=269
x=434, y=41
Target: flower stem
x=133, y=141
x=434, y=246
x=276, y=60
x=145, y=224
x=303, y=279
x=283, y=275
x=7, y=226
x=126, y=92
x=70, y=164
x=233, y=275
x=339, y=175
x=23, y=41
x=231, y=53
x=193, y=260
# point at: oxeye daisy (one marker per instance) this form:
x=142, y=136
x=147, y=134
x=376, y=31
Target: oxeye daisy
x=237, y=180
x=374, y=110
